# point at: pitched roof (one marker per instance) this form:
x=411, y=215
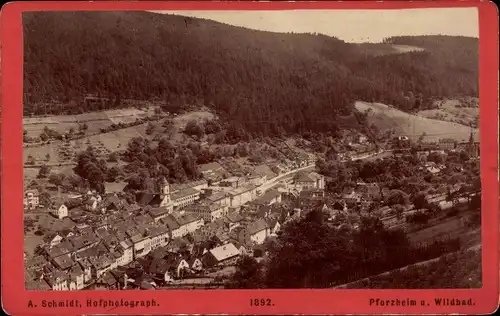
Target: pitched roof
x=302, y=177
x=186, y=219
x=63, y=262
x=171, y=222
x=144, y=198
x=183, y=193
x=267, y=197
x=224, y=252
x=234, y=217
x=264, y=170
x=257, y=226
x=212, y=166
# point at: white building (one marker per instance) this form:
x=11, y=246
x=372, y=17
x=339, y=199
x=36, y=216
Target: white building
x=60, y=212
x=31, y=199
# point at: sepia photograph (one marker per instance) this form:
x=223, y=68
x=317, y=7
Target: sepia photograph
x=285, y=149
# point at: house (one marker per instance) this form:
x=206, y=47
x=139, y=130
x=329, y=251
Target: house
x=270, y=197
x=63, y=262
x=189, y=223
x=109, y=281
x=112, y=203
x=87, y=269
x=220, y=198
x=195, y=264
x=308, y=181
x=258, y=231
x=311, y=193
x=264, y=171
x=168, y=267
x=158, y=213
x=447, y=144
x=185, y=197
x=171, y=222
x=220, y=256
x=52, y=239
x=212, y=167
x=274, y=226
x=31, y=199
x=102, y=264
x=242, y=195
x=90, y=205
x=140, y=240
x=233, y=220
x=161, y=270
x=76, y=280
x=159, y=236
x=60, y=211
x=207, y=211
x=57, y=280
x=213, y=172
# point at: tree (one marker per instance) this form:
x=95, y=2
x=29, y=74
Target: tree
x=44, y=137
x=30, y=160
x=45, y=199
x=56, y=178
x=113, y=157
x=397, y=197
x=419, y=200
x=44, y=171
x=193, y=128
x=150, y=128
x=47, y=157
x=248, y=275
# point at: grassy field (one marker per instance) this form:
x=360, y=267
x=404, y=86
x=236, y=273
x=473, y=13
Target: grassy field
x=94, y=120
x=454, y=111
x=386, y=118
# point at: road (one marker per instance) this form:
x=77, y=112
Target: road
x=275, y=181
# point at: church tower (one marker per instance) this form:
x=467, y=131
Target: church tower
x=164, y=188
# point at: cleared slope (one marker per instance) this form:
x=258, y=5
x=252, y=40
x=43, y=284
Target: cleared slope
x=387, y=118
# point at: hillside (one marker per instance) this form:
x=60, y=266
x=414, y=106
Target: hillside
x=263, y=82
x=387, y=118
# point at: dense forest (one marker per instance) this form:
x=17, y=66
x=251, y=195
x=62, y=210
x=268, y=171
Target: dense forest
x=264, y=82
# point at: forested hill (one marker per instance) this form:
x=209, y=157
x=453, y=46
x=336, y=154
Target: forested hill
x=267, y=83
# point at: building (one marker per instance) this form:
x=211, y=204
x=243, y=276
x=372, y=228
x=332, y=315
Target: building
x=264, y=171
x=31, y=199
x=185, y=197
x=223, y=255
x=208, y=212
x=189, y=223
x=258, y=231
x=60, y=211
x=309, y=181
x=268, y=198
x=242, y=195
x=447, y=144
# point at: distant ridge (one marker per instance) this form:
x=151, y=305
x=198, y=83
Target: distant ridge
x=266, y=83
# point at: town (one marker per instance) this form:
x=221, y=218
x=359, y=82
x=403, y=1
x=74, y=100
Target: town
x=192, y=234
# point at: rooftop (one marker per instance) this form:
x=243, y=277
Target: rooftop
x=224, y=252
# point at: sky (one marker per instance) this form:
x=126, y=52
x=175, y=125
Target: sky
x=352, y=25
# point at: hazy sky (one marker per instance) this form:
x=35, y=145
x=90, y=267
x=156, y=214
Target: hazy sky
x=352, y=25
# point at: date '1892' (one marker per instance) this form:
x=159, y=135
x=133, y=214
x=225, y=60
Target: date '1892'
x=261, y=302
